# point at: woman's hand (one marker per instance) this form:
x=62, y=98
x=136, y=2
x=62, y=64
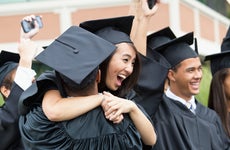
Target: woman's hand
x=143, y=10
x=31, y=33
x=114, y=107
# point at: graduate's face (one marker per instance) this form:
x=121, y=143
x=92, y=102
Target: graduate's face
x=5, y=92
x=6, y=89
x=186, y=79
x=120, y=66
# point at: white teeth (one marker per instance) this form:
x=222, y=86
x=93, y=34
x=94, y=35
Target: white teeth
x=122, y=76
x=195, y=83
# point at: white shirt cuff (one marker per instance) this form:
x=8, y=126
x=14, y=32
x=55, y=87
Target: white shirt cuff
x=24, y=77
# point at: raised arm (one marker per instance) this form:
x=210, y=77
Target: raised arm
x=141, y=23
x=27, y=49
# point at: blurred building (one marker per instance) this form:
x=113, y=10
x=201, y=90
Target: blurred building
x=181, y=15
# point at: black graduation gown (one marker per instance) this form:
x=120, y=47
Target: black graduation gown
x=150, y=85
x=9, y=132
x=179, y=129
x=89, y=131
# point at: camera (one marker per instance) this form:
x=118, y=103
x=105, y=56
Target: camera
x=151, y=3
x=29, y=25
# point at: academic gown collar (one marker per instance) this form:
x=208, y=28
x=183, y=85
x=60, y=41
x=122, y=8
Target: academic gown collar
x=172, y=96
x=177, y=106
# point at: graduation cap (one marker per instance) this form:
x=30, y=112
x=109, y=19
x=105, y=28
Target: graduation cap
x=159, y=38
x=76, y=53
x=8, y=61
x=115, y=30
x=225, y=46
x=219, y=61
x=178, y=49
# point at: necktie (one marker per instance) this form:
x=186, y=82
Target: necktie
x=191, y=109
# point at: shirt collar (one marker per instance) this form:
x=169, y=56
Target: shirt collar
x=188, y=103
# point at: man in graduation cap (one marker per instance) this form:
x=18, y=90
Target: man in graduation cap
x=16, y=76
x=77, y=76
x=219, y=88
x=181, y=121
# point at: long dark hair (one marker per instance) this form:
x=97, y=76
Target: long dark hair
x=128, y=83
x=217, y=98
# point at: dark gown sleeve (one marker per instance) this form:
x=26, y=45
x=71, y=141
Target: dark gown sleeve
x=9, y=132
x=150, y=85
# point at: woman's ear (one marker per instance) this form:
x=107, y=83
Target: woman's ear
x=5, y=91
x=98, y=79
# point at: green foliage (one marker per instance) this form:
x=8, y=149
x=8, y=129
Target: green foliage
x=1, y=100
x=39, y=68
x=202, y=97
x=221, y=6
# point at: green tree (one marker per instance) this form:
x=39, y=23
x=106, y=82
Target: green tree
x=220, y=6
x=202, y=97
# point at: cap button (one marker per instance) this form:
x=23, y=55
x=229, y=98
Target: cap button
x=75, y=51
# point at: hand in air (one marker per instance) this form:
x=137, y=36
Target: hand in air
x=32, y=32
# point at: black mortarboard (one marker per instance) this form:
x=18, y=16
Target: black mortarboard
x=178, y=49
x=115, y=30
x=8, y=61
x=219, y=61
x=159, y=38
x=76, y=53
x=225, y=45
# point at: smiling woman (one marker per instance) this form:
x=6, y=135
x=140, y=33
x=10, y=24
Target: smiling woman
x=119, y=79
x=126, y=59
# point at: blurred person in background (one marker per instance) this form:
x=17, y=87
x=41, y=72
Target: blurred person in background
x=16, y=76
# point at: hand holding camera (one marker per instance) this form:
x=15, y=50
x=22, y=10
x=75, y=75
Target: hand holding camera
x=30, y=23
x=30, y=26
